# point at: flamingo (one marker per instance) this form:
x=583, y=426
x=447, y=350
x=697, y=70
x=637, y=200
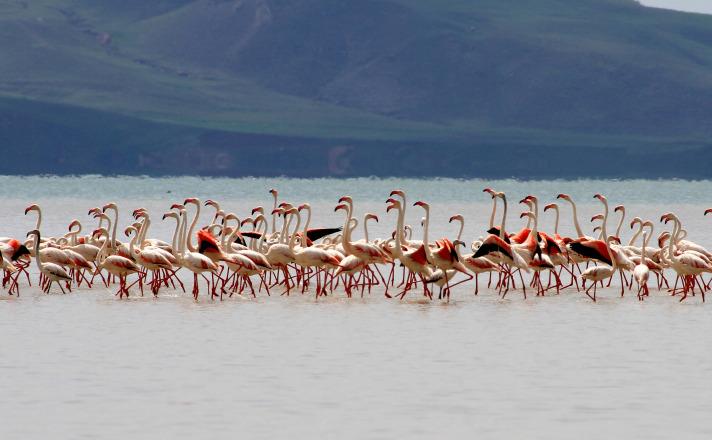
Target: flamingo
x=641, y=272
x=53, y=272
x=116, y=265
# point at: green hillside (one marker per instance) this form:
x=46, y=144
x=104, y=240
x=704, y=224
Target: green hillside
x=88, y=80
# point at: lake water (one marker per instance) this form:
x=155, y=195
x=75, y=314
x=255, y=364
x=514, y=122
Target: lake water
x=89, y=365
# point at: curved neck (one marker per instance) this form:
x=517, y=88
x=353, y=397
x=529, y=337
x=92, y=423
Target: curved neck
x=183, y=227
x=365, y=229
x=37, y=251
x=274, y=216
x=462, y=227
x=556, y=221
x=604, y=231
x=132, y=243
x=494, y=211
x=285, y=228
x=398, y=250
x=650, y=234
x=113, y=229
x=39, y=218
x=504, y=218
x=575, y=214
x=610, y=254
x=102, y=254
x=296, y=229
x=144, y=229
x=637, y=233
x=175, y=237
x=620, y=223
x=189, y=238
x=306, y=225
x=426, y=226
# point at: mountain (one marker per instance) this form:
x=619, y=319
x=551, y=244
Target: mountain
x=546, y=88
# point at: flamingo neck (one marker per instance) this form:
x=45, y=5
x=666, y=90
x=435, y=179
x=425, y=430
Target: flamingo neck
x=37, y=251
x=274, y=216
x=175, y=236
x=189, y=238
x=579, y=231
x=504, y=218
x=494, y=211
x=636, y=235
x=398, y=251
x=604, y=231
x=556, y=221
x=620, y=223
x=365, y=228
x=426, y=226
x=113, y=232
x=296, y=229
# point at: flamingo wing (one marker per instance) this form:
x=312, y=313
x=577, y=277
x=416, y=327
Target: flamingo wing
x=316, y=233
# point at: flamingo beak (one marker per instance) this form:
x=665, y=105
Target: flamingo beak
x=707, y=211
x=562, y=196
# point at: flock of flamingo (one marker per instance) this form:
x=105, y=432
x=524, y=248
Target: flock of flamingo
x=281, y=251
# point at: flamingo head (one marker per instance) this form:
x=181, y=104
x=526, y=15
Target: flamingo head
x=33, y=232
x=277, y=211
x=527, y=200
x=619, y=208
x=708, y=210
x=32, y=207
x=346, y=199
x=99, y=232
x=615, y=239
x=169, y=214
x=600, y=197
x=596, y=229
x=94, y=211
x=286, y=206
x=259, y=209
x=662, y=238
x=191, y=200
x=422, y=204
x=564, y=197
x=526, y=214
x=111, y=205
x=457, y=217
x=597, y=217
x=274, y=192
x=304, y=206
x=213, y=203
x=340, y=206
x=490, y=191
x=458, y=243
x=292, y=210
x=551, y=206
x=178, y=206
x=129, y=230
x=370, y=216
x=74, y=224
x=140, y=212
x=246, y=221
x=634, y=221
x=397, y=192
x=666, y=217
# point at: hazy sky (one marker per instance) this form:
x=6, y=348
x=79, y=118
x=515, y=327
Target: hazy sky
x=683, y=5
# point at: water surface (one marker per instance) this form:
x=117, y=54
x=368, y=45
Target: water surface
x=88, y=365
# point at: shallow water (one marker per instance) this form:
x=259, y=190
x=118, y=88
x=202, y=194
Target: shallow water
x=88, y=365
